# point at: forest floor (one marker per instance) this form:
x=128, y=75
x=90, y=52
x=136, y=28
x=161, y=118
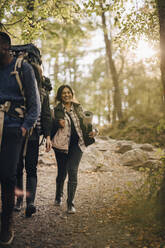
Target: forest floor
x=100, y=220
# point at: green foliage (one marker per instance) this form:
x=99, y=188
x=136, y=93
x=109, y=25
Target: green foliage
x=63, y=29
x=35, y=15
x=141, y=198
x=139, y=131
x=137, y=22
x=161, y=126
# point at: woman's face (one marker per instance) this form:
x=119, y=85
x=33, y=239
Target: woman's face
x=66, y=95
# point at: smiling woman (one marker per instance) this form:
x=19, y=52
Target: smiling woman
x=70, y=135
x=144, y=50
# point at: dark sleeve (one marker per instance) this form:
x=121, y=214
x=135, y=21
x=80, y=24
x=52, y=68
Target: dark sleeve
x=55, y=122
x=58, y=114
x=31, y=95
x=46, y=116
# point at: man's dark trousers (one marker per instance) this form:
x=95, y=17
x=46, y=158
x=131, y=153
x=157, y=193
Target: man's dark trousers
x=10, y=149
x=30, y=164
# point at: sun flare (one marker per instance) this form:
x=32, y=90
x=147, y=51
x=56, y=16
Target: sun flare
x=144, y=50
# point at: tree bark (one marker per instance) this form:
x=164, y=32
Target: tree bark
x=161, y=15
x=109, y=106
x=56, y=69
x=112, y=68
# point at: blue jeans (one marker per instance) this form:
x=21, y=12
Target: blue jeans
x=68, y=164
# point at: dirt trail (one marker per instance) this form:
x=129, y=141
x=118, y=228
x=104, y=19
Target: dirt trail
x=96, y=223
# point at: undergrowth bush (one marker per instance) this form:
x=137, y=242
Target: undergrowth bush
x=142, y=203
x=138, y=131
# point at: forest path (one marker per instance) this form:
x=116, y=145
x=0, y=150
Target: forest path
x=97, y=223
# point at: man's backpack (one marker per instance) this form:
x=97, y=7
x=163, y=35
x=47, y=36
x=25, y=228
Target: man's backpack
x=31, y=54
x=30, y=51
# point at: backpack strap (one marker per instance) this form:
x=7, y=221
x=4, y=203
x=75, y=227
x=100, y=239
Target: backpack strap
x=16, y=72
x=3, y=108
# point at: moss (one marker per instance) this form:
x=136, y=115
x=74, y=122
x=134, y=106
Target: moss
x=140, y=132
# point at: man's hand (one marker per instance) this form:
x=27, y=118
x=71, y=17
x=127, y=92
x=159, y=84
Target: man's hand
x=23, y=131
x=62, y=123
x=48, y=144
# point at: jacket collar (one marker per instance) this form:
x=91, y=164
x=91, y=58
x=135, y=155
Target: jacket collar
x=60, y=106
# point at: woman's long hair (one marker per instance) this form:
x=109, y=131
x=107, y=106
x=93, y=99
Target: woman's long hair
x=59, y=94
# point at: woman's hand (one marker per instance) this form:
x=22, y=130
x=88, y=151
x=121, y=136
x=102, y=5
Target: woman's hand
x=48, y=144
x=92, y=134
x=62, y=123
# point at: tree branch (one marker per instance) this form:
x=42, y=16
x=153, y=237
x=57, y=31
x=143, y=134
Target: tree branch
x=10, y=24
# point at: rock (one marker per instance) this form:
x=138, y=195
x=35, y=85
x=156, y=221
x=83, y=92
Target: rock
x=146, y=147
x=120, y=143
x=100, y=145
x=45, y=158
x=152, y=164
x=124, y=148
x=91, y=158
x=46, y=161
x=94, y=158
x=135, y=158
x=103, y=137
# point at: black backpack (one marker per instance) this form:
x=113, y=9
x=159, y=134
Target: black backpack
x=29, y=51
x=31, y=54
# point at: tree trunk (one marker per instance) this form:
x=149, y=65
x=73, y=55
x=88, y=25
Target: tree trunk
x=108, y=79
x=109, y=106
x=56, y=69
x=161, y=14
x=74, y=74
x=112, y=68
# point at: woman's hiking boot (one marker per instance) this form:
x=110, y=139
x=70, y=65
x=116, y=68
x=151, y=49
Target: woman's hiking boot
x=71, y=209
x=58, y=202
x=71, y=189
x=59, y=193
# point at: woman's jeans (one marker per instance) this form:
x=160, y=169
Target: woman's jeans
x=10, y=149
x=67, y=164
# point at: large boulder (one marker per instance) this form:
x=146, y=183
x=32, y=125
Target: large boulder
x=147, y=147
x=97, y=157
x=135, y=158
x=92, y=159
x=152, y=164
x=124, y=148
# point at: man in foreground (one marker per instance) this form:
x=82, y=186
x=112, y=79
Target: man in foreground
x=16, y=118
